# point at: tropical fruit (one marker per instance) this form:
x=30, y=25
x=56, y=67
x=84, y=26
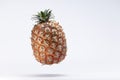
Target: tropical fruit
x=48, y=39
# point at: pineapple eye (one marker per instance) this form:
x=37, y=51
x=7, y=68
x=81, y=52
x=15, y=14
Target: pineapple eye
x=61, y=57
x=53, y=45
x=34, y=37
x=53, y=25
x=59, y=48
x=54, y=38
x=36, y=46
x=36, y=53
x=54, y=31
x=55, y=61
x=50, y=51
x=49, y=59
x=36, y=31
x=42, y=61
x=42, y=49
x=60, y=34
x=47, y=30
x=57, y=54
x=50, y=24
x=46, y=43
x=64, y=44
x=42, y=55
x=60, y=40
x=42, y=26
x=64, y=50
x=39, y=40
x=41, y=33
x=47, y=36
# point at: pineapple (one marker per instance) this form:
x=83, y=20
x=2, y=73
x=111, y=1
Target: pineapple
x=48, y=39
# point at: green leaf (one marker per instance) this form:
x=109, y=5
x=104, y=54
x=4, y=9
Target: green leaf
x=44, y=16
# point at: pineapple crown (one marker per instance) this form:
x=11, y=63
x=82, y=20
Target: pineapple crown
x=43, y=16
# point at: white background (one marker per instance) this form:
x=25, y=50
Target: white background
x=92, y=30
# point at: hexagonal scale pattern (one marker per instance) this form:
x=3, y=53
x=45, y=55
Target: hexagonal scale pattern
x=48, y=43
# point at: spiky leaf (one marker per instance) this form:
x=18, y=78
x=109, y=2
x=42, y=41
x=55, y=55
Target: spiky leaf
x=43, y=16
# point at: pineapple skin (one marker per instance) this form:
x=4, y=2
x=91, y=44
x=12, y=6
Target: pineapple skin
x=48, y=42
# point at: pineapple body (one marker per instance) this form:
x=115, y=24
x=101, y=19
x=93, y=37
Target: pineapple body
x=48, y=42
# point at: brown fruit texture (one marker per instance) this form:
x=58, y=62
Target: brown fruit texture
x=48, y=42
